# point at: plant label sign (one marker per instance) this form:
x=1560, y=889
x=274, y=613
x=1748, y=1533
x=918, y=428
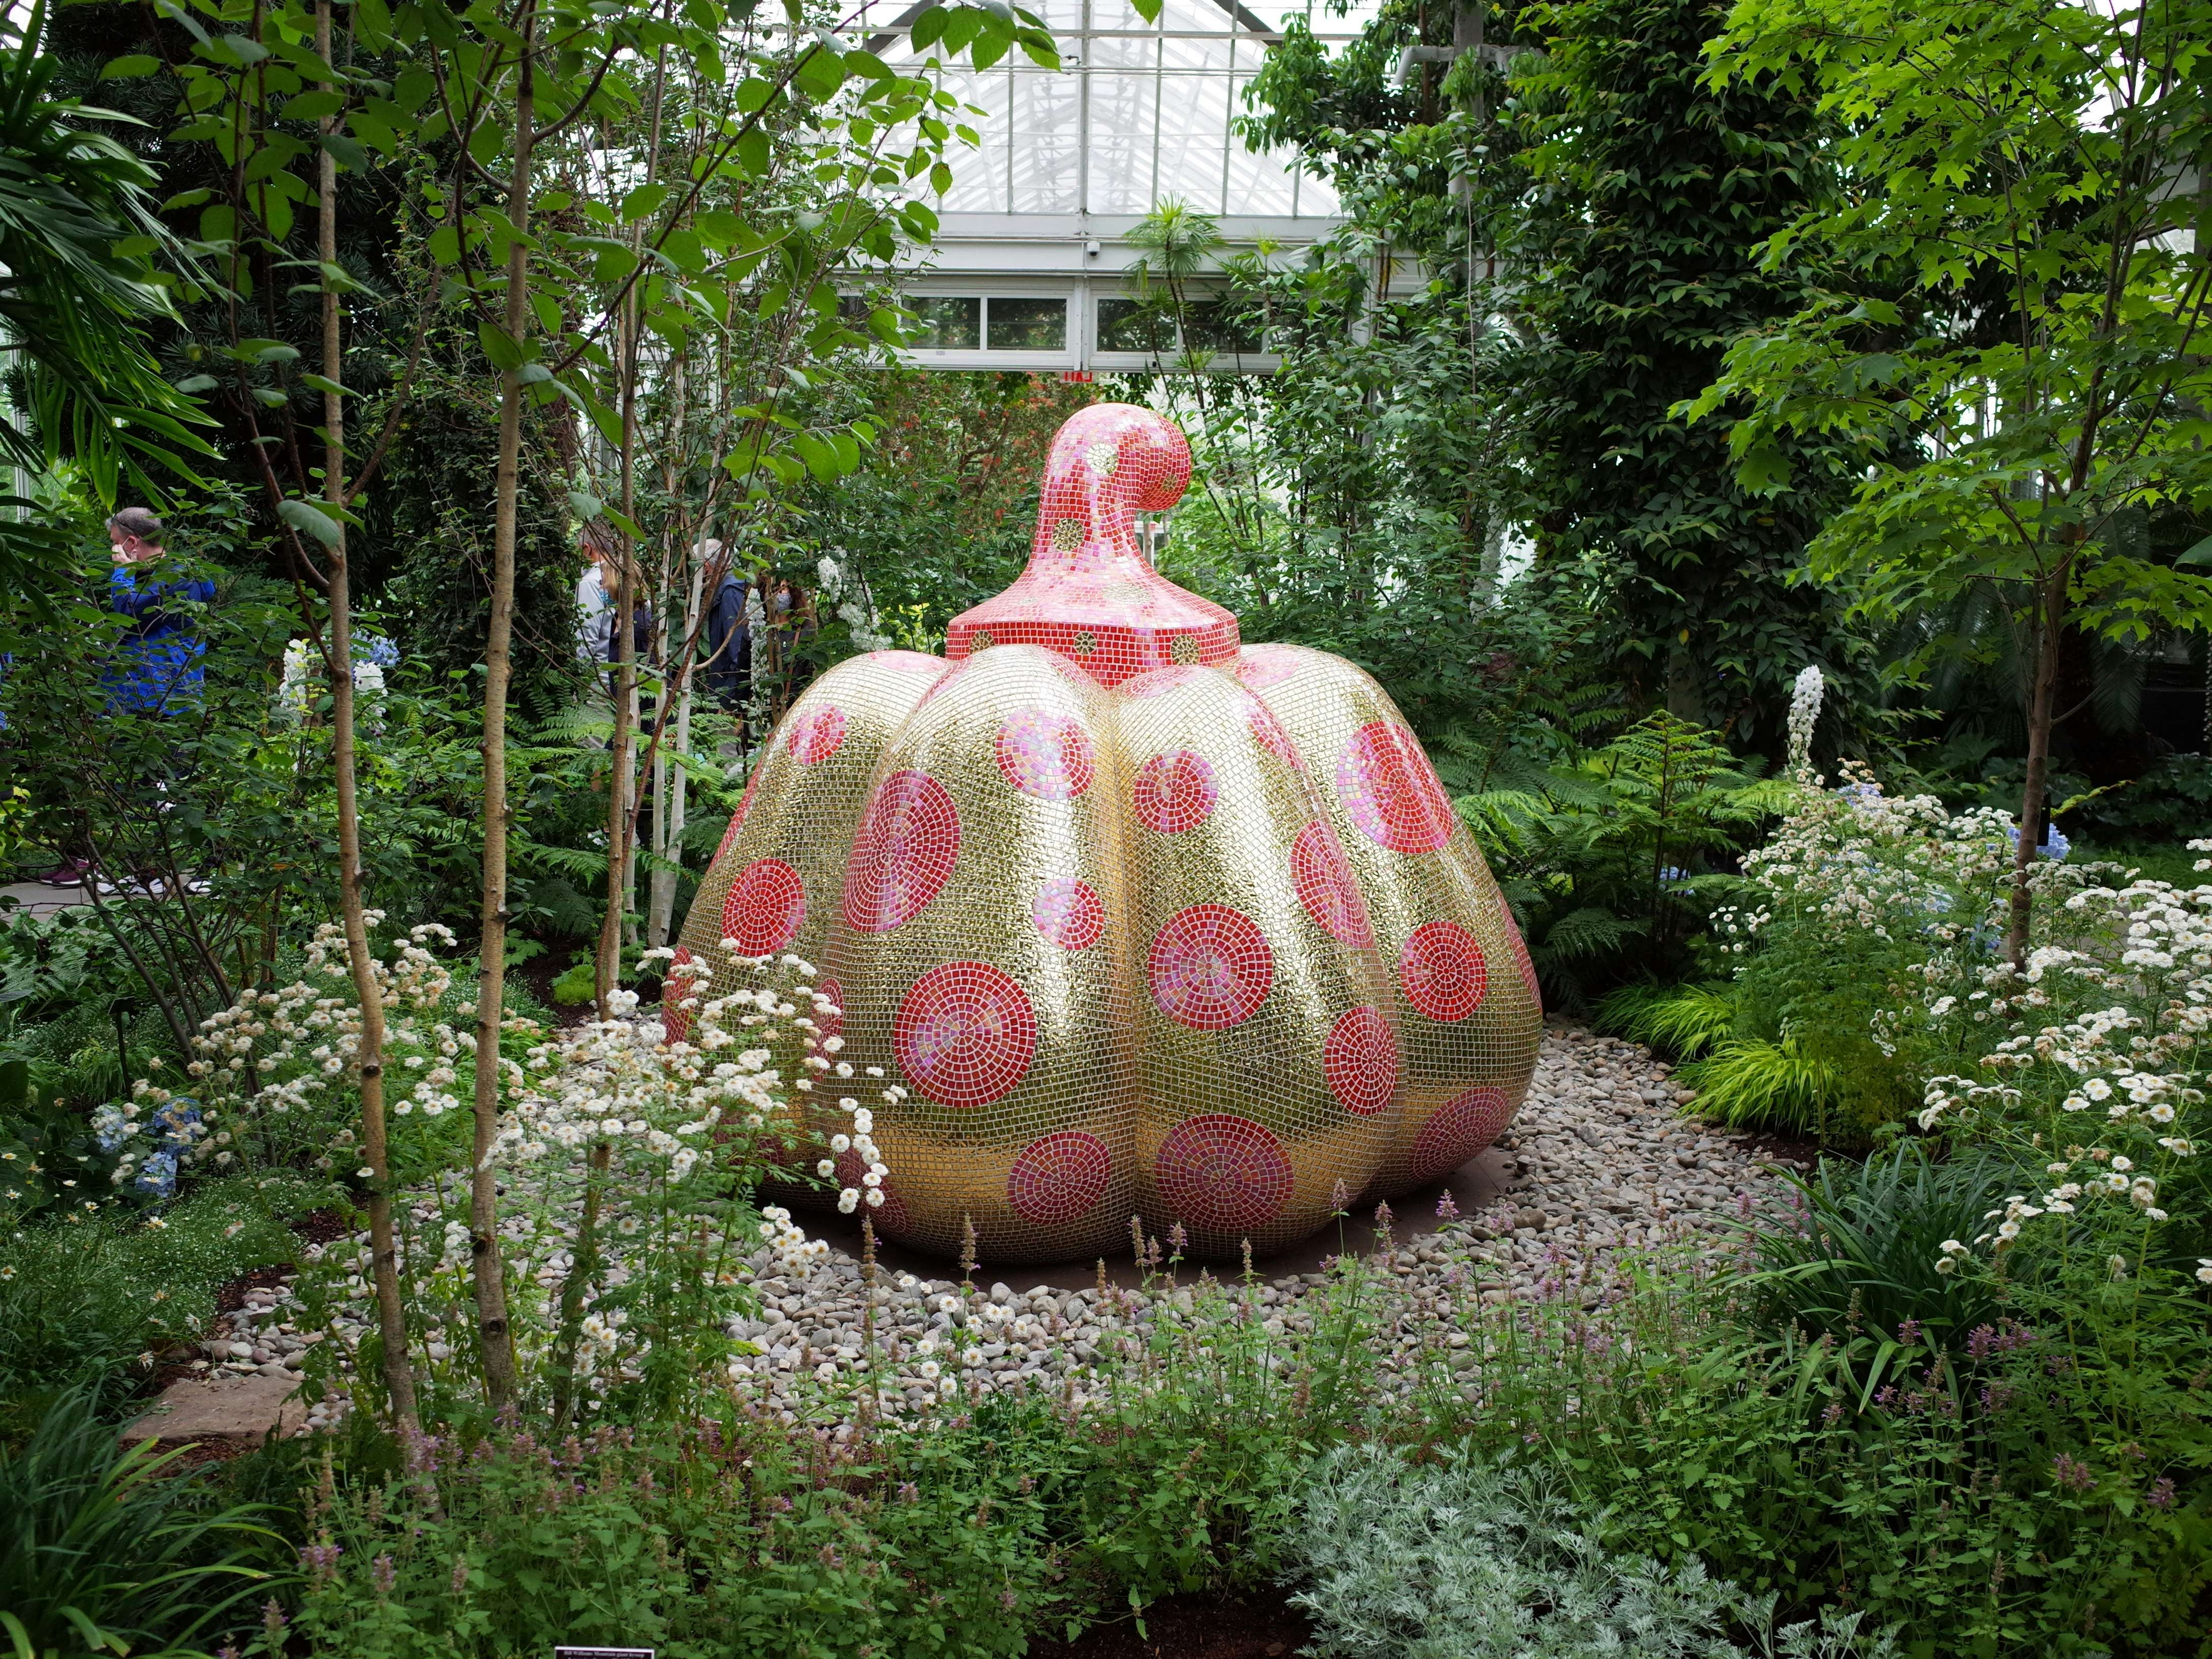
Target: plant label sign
x=603, y=1653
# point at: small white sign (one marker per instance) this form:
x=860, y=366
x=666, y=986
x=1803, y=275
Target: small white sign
x=603, y=1653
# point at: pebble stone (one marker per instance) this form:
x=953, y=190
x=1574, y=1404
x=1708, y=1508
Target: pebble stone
x=1605, y=1160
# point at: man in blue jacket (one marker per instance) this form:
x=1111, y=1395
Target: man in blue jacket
x=155, y=669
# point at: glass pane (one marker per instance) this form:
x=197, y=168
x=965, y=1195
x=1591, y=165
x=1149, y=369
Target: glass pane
x=948, y=323
x=1133, y=325
x=1212, y=325
x=1042, y=125
x=1028, y=324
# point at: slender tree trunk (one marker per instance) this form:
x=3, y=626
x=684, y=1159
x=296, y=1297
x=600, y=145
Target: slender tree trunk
x=2043, y=696
x=622, y=788
x=383, y=1247
x=495, y=1333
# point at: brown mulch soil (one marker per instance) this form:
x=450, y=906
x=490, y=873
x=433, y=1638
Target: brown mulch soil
x=322, y=1227
x=1261, y=1625
x=1791, y=1152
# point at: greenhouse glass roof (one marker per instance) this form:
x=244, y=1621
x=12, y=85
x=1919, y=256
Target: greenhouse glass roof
x=1030, y=263
x=1140, y=114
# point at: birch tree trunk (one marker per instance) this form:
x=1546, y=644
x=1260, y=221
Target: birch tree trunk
x=495, y=1334
x=383, y=1245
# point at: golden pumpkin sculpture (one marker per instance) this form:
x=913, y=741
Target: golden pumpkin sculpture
x=1145, y=923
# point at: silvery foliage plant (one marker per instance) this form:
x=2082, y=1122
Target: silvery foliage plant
x=1467, y=1559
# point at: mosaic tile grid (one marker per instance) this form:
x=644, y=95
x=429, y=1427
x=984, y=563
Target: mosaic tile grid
x=1166, y=929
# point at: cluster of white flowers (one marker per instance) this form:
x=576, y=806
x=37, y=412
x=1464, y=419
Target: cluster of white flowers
x=2137, y=965
x=853, y=604
x=1805, y=696
x=260, y=1066
x=303, y=666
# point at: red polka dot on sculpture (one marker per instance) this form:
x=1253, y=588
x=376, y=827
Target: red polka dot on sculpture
x=1520, y=960
x=817, y=733
x=1174, y=792
x=1322, y=877
x=1391, y=791
x=907, y=841
x=965, y=1034
x=676, y=1020
x=1457, y=1130
x=1222, y=1173
x=1360, y=1061
x=1441, y=971
x=1045, y=755
x=1058, y=1177
x=1210, y=968
x=1068, y=913
x=765, y=909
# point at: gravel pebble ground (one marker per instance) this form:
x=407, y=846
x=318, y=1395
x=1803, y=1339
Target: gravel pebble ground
x=1602, y=1162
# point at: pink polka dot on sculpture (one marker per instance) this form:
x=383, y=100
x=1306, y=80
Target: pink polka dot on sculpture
x=1322, y=877
x=816, y=734
x=1360, y=1060
x=1520, y=960
x=965, y=1034
x=1457, y=1130
x=1391, y=791
x=1174, y=792
x=675, y=1019
x=1068, y=913
x=1058, y=1177
x=1222, y=1173
x=1044, y=755
x=1441, y=971
x=907, y=844
x=1210, y=968
x=1269, y=733
x=1260, y=666
x=891, y=1215
x=907, y=662
x=765, y=909
x=1159, y=682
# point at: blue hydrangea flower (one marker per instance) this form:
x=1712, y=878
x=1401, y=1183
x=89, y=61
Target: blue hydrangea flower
x=376, y=648
x=2056, y=849
x=176, y=1124
x=111, y=1128
x=158, y=1176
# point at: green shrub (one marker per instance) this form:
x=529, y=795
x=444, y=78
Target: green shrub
x=86, y=1300
x=1861, y=1249
x=107, y=1549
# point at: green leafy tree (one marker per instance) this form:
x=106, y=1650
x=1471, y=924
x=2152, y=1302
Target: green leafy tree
x=1651, y=191
x=2008, y=322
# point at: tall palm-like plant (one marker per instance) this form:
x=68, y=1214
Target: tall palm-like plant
x=77, y=286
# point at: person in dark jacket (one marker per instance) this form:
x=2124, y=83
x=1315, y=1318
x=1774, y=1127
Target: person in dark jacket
x=728, y=639
x=156, y=667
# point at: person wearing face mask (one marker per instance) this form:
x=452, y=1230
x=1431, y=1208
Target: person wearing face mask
x=155, y=669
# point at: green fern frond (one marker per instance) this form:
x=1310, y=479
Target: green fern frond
x=1589, y=931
